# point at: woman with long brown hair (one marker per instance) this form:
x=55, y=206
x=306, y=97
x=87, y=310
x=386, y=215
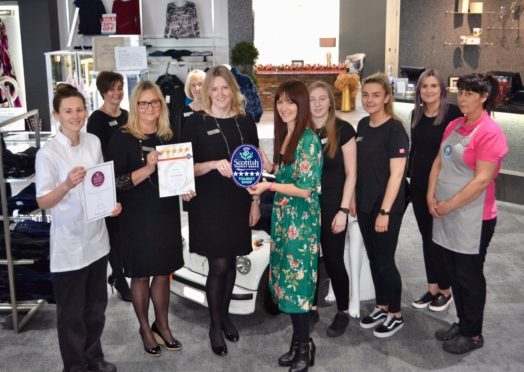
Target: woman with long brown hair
x=338, y=186
x=295, y=222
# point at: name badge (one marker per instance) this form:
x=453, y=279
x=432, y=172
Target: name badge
x=211, y=132
x=360, y=139
x=112, y=123
x=147, y=149
x=323, y=141
x=246, y=163
x=189, y=113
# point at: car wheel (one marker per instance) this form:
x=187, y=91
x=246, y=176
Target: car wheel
x=265, y=300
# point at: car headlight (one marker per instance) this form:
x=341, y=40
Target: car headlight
x=243, y=265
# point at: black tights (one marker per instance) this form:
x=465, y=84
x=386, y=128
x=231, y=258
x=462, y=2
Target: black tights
x=300, y=326
x=219, y=287
x=158, y=292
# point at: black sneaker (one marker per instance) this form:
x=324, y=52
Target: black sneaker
x=339, y=324
x=423, y=301
x=376, y=317
x=314, y=317
x=449, y=333
x=440, y=302
x=391, y=325
x=462, y=344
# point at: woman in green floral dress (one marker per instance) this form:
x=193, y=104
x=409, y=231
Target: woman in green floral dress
x=295, y=227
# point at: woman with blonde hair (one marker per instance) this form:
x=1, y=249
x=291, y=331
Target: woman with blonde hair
x=382, y=150
x=150, y=227
x=338, y=185
x=220, y=209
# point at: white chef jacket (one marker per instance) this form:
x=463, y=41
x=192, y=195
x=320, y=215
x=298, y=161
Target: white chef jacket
x=74, y=243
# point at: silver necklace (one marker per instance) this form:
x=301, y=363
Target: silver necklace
x=224, y=137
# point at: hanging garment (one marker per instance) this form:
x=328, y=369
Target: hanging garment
x=173, y=90
x=127, y=17
x=181, y=20
x=90, y=16
x=249, y=90
x=8, y=96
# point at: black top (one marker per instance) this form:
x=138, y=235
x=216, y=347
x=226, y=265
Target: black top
x=151, y=241
x=425, y=143
x=333, y=171
x=375, y=147
x=104, y=126
x=219, y=214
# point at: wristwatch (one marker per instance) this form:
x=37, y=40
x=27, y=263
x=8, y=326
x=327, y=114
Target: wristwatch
x=345, y=210
x=384, y=213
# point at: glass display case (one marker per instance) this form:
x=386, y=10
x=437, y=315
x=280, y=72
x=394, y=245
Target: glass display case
x=74, y=68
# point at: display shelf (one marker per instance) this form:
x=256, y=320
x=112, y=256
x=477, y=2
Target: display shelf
x=159, y=41
x=14, y=306
x=16, y=137
x=446, y=43
x=453, y=12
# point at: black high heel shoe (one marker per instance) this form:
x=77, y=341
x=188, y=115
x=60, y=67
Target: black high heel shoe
x=172, y=345
x=218, y=350
x=231, y=333
x=305, y=357
x=121, y=286
x=153, y=351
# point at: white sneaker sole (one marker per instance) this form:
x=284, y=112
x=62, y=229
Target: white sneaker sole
x=372, y=325
x=388, y=334
x=441, y=308
x=420, y=306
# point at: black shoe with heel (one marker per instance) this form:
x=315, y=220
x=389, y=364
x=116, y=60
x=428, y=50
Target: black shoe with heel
x=287, y=359
x=121, y=286
x=153, y=351
x=230, y=331
x=220, y=350
x=305, y=356
x=173, y=345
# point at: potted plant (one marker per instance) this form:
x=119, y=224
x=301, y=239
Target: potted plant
x=244, y=55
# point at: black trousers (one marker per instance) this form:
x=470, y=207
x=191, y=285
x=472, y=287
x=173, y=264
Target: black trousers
x=333, y=255
x=381, y=248
x=81, y=300
x=433, y=260
x=468, y=282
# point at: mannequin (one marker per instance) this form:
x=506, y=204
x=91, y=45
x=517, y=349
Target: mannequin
x=357, y=265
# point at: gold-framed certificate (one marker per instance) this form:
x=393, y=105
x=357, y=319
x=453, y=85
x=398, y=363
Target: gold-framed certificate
x=176, y=175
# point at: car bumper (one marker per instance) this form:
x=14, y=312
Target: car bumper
x=191, y=285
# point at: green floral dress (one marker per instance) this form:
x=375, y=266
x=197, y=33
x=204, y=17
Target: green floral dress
x=295, y=229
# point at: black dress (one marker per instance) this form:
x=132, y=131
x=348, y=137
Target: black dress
x=149, y=225
x=333, y=179
x=219, y=214
x=104, y=126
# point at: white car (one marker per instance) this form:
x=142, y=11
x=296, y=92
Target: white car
x=251, y=289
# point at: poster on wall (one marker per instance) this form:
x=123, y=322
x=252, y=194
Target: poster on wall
x=131, y=58
x=104, y=52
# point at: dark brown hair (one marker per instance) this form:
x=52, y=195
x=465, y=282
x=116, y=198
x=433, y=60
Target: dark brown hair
x=64, y=91
x=106, y=79
x=296, y=91
x=481, y=84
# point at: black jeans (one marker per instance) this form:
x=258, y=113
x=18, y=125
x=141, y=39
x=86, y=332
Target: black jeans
x=433, y=260
x=81, y=300
x=333, y=255
x=381, y=248
x=468, y=282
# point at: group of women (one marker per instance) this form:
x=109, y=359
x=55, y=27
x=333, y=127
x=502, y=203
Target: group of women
x=324, y=171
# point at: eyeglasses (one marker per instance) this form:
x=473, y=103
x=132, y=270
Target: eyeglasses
x=143, y=105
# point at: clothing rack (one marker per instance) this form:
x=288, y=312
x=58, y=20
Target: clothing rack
x=15, y=308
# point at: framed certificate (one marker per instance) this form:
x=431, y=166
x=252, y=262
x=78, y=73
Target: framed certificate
x=176, y=175
x=99, y=191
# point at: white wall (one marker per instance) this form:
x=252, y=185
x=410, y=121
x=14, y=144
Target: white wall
x=287, y=30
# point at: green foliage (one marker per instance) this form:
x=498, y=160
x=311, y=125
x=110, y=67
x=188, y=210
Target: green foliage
x=244, y=54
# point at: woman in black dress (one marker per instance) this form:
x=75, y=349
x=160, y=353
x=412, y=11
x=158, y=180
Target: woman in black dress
x=220, y=213
x=429, y=119
x=150, y=227
x=103, y=123
x=338, y=185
